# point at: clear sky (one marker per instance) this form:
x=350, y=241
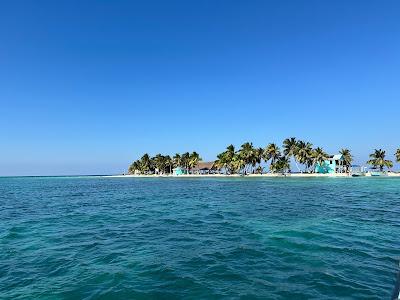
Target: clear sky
x=86, y=87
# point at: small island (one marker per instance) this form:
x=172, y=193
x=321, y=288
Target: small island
x=271, y=160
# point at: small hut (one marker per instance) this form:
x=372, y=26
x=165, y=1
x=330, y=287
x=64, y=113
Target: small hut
x=203, y=167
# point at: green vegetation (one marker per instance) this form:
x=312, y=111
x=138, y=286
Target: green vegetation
x=304, y=154
x=253, y=160
x=163, y=164
x=273, y=153
x=377, y=159
x=319, y=156
x=227, y=160
x=246, y=160
x=291, y=148
x=249, y=159
x=348, y=158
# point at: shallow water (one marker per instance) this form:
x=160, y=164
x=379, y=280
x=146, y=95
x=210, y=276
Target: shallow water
x=146, y=238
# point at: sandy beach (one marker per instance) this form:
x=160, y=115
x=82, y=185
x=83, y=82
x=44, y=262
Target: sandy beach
x=305, y=175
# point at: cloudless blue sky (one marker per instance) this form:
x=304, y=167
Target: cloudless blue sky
x=86, y=87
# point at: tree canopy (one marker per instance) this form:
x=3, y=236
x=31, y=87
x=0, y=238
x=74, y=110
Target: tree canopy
x=378, y=160
x=249, y=159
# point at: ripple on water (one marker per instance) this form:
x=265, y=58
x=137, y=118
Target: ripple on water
x=108, y=238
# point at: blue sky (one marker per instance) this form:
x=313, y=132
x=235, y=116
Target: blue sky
x=86, y=87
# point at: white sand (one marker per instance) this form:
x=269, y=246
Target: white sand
x=306, y=175
x=234, y=175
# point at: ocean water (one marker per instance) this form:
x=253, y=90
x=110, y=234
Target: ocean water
x=248, y=238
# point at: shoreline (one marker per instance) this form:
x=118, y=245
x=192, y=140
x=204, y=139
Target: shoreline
x=268, y=175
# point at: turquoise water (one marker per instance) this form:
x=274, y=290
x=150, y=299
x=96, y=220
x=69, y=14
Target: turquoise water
x=130, y=238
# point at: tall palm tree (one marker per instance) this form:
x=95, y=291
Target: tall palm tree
x=219, y=163
x=177, y=160
x=135, y=166
x=257, y=159
x=228, y=158
x=238, y=163
x=398, y=155
x=377, y=159
x=271, y=152
x=185, y=161
x=347, y=157
x=246, y=153
x=282, y=164
x=145, y=163
x=159, y=162
x=194, y=159
x=290, y=149
x=319, y=156
x=169, y=163
x=224, y=160
x=304, y=153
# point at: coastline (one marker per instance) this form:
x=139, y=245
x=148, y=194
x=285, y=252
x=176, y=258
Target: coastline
x=296, y=175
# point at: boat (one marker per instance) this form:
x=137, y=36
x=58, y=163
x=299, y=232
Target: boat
x=357, y=174
x=378, y=173
x=357, y=171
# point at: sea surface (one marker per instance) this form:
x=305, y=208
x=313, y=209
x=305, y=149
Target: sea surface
x=205, y=238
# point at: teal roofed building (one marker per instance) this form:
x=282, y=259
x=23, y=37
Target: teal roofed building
x=334, y=164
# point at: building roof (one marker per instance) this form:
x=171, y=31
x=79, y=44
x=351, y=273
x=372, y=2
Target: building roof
x=337, y=157
x=204, y=165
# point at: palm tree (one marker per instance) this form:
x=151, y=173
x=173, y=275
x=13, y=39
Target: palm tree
x=246, y=153
x=398, y=155
x=377, y=159
x=238, y=163
x=290, y=149
x=347, y=157
x=304, y=153
x=185, y=160
x=319, y=156
x=194, y=159
x=169, y=163
x=224, y=160
x=228, y=157
x=135, y=166
x=282, y=164
x=257, y=159
x=145, y=163
x=177, y=160
x=271, y=152
x=218, y=163
x=159, y=162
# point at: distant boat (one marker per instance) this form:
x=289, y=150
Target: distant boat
x=378, y=173
x=357, y=171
